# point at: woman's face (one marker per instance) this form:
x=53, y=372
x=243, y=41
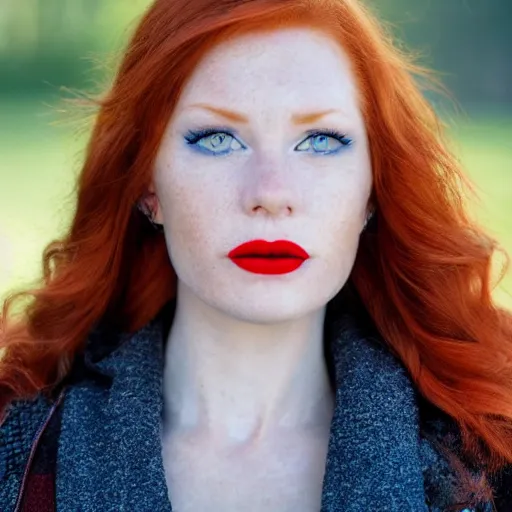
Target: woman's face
x=259, y=174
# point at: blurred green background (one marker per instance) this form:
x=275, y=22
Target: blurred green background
x=50, y=46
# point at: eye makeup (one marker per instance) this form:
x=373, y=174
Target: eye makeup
x=193, y=137
x=331, y=133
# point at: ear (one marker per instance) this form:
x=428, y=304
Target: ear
x=152, y=203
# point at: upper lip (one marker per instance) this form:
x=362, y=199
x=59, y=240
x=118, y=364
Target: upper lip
x=283, y=248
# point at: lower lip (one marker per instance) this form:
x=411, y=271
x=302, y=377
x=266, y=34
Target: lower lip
x=268, y=265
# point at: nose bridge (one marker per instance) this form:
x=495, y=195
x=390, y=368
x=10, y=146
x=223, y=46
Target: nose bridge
x=270, y=184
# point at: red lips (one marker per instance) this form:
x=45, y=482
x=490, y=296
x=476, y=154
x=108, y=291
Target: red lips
x=262, y=257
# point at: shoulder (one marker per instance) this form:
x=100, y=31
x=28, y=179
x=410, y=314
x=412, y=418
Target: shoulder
x=452, y=482
x=23, y=421
x=502, y=485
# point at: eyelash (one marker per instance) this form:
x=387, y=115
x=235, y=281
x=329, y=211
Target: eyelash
x=193, y=137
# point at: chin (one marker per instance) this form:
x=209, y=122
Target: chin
x=269, y=308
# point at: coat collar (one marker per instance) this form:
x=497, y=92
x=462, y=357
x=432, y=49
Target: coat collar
x=110, y=448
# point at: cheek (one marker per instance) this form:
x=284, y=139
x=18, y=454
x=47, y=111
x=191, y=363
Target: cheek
x=184, y=215
x=190, y=207
x=342, y=210
x=343, y=199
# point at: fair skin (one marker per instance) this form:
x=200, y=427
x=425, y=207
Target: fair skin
x=248, y=403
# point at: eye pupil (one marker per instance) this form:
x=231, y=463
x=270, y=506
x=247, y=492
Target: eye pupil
x=218, y=139
x=323, y=144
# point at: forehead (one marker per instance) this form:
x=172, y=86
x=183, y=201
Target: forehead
x=294, y=66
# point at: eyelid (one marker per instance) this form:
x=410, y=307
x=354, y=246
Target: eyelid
x=331, y=132
x=211, y=129
x=207, y=130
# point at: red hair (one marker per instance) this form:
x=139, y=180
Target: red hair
x=424, y=273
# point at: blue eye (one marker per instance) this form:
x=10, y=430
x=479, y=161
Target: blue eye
x=219, y=142
x=212, y=140
x=320, y=141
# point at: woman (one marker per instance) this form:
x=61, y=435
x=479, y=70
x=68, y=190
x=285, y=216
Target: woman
x=271, y=296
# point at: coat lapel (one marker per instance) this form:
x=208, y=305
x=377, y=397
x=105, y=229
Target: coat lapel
x=373, y=460
x=110, y=449
x=110, y=446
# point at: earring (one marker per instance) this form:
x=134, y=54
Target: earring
x=368, y=219
x=143, y=207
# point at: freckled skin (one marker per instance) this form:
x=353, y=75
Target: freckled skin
x=209, y=205
x=245, y=371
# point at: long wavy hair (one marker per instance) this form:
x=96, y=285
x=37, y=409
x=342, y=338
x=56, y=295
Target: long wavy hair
x=423, y=273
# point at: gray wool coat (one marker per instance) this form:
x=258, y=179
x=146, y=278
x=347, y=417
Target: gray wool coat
x=382, y=453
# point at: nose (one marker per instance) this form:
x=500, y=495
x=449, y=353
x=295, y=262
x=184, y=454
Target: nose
x=270, y=188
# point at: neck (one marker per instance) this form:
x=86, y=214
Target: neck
x=239, y=382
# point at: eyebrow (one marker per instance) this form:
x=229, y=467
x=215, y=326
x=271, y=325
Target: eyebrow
x=236, y=117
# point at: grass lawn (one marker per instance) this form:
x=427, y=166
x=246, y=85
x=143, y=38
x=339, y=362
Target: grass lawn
x=39, y=162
